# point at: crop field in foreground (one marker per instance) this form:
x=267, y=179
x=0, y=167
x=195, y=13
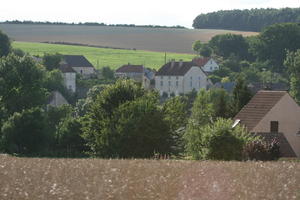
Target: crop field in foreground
x=100, y=57
x=151, y=39
x=35, y=178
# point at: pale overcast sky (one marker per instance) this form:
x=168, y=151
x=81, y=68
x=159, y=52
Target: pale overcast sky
x=159, y=12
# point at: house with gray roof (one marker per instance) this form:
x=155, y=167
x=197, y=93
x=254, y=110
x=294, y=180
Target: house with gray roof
x=273, y=114
x=79, y=64
x=180, y=78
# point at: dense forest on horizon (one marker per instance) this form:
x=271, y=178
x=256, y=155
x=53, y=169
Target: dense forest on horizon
x=246, y=20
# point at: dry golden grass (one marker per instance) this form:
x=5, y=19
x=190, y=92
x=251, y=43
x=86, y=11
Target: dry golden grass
x=34, y=178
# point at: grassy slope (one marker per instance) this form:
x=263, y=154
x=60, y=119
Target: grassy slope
x=106, y=57
x=34, y=178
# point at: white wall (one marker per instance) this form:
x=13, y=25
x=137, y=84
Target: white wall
x=210, y=66
x=70, y=81
x=168, y=83
x=287, y=113
x=85, y=71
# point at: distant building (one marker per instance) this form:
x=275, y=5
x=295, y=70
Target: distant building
x=139, y=73
x=80, y=64
x=228, y=86
x=256, y=86
x=273, y=114
x=56, y=99
x=180, y=78
x=207, y=64
x=69, y=76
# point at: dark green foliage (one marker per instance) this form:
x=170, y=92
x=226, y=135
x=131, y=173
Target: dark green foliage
x=197, y=46
x=247, y=20
x=21, y=83
x=107, y=73
x=221, y=102
x=292, y=63
x=52, y=61
x=175, y=111
x=18, y=52
x=205, y=50
x=275, y=41
x=56, y=114
x=241, y=95
x=217, y=141
x=262, y=150
x=5, y=45
x=68, y=138
x=229, y=44
x=24, y=133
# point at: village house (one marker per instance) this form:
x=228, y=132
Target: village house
x=69, y=76
x=208, y=65
x=273, y=114
x=138, y=73
x=180, y=78
x=79, y=64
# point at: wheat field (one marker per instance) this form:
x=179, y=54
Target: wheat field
x=43, y=178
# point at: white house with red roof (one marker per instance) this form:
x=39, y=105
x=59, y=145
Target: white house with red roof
x=208, y=65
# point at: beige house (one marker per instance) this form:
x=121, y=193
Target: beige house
x=274, y=113
x=139, y=73
x=79, y=64
x=180, y=78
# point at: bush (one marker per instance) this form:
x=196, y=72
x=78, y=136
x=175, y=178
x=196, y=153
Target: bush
x=24, y=133
x=262, y=150
x=217, y=141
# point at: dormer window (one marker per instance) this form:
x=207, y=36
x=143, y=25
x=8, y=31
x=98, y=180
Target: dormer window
x=274, y=126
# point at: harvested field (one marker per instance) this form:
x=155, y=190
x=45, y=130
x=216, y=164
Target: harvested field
x=151, y=39
x=35, y=178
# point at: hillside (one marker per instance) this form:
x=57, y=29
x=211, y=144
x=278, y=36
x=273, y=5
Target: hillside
x=34, y=178
x=151, y=39
x=100, y=57
x=246, y=20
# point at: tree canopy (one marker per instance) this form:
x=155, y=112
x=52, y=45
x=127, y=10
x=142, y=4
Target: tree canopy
x=246, y=20
x=5, y=45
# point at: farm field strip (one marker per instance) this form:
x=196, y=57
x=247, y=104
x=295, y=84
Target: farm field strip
x=151, y=39
x=101, y=57
x=35, y=178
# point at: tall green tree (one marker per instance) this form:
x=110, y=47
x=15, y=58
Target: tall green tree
x=5, y=45
x=52, y=61
x=197, y=46
x=21, y=83
x=241, y=95
x=275, y=41
x=292, y=63
x=25, y=133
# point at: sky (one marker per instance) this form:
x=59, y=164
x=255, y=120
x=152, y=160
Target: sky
x=140, y=12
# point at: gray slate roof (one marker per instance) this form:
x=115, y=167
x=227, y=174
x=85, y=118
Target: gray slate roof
x=77, y=61
x=175, y=68
x=130, y=68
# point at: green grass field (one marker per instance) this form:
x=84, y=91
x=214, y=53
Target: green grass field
x=100, y=57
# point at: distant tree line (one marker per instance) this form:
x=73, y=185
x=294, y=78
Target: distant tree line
x=90, y=24
x=246, y=20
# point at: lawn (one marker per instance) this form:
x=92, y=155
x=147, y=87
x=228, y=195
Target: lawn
x=36, y=178
x=100, y=57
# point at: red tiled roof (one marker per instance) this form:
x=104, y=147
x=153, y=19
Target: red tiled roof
x=262, y=102
x=131, y=68
x=200, y=61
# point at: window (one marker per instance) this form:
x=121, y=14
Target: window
x=176, y=84
x=80, y=71
x=161, y=77
x=191, y=83
x=169, y=77
x=176, y=77
x=161, y=83
x=274, y=126
x=169, y=83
